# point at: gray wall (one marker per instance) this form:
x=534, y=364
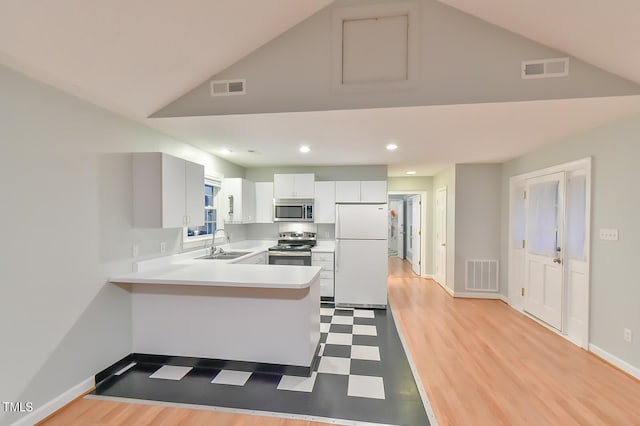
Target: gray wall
x=615, y=293
x=462, y=60
x=65, y=180
x=447, y=179
x=478, y=206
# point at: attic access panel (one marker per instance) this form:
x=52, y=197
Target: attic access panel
x=376, y=47
x=375, y=50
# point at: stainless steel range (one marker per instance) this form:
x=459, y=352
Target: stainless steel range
x=294, y=248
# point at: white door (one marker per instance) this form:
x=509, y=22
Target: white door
x=414, y=238
x=544, y=238
x=401, y=229
x=393, y=227
x=576, y=260
x=440, y=231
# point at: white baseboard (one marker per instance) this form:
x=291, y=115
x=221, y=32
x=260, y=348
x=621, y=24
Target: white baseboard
x=479, y=295
x=428, y=276
x=57, y=403
x=614, y=360
x=447, y=289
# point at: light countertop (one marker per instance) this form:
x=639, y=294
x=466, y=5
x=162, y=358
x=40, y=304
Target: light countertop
x=185, y=269
x=324, y=246
x=205, y=273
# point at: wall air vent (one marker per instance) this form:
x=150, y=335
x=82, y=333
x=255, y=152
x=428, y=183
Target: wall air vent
x=482, y=275
x=228, y=87
x=545, y=68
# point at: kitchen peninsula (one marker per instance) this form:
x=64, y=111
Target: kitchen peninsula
x=191, y=307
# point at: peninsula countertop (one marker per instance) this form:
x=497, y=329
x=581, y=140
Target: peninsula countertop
x=186, y=269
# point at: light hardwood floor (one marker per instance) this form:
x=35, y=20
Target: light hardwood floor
x=481, y=362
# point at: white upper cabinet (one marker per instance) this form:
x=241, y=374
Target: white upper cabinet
x=373, y=191
x=348, y=191
x=293, y=185
x=194, y=196
x=168, y=192
x=361, y=191
x=264, y=202
x=325, y=202
x=238, y=200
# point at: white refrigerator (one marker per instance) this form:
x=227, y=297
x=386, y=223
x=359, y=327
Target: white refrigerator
x=361, y=255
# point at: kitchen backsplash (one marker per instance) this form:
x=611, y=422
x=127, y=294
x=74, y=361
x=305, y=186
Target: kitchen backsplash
x=269, y=231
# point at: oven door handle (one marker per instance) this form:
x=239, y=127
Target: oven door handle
x=290, y=253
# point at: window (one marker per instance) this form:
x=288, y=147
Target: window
x=198, y=233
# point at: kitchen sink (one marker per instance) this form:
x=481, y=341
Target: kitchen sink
x=226, y=255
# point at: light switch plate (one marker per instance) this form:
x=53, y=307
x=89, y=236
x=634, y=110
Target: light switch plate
x=135, y=250
x=609, y=234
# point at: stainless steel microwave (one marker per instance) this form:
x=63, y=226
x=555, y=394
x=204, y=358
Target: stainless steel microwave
x=291, y=210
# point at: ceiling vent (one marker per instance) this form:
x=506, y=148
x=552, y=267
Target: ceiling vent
x=228, y=87
x=545, y=68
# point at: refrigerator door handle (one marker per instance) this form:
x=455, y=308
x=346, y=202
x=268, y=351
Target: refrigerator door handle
x=337, y=266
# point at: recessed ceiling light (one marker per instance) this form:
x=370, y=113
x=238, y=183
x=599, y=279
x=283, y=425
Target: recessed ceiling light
x=392, y=147
x=304, y=149
x=225, y=151
x=411, y=172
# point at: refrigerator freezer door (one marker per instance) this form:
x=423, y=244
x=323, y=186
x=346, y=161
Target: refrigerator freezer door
x=361, y=273
x=362, y=221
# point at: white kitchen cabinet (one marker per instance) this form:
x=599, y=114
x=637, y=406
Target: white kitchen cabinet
x=326, y=263
x=373, y=191
x=293, y=185
x=361, y=191
x=256, y=259
x=348, y=191
x=168, y=192
x=325, y=202
x=264, y=202
x=238, y=200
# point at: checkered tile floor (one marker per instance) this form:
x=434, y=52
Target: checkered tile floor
x=340, y=351
x=362, y=375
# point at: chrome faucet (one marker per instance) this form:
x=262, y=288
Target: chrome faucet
x=213, y=241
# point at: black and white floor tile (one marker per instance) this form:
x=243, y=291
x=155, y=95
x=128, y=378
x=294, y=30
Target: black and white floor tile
x=363, y=375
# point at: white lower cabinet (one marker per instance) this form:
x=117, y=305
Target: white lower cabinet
x=256, y=259
x=324, y=261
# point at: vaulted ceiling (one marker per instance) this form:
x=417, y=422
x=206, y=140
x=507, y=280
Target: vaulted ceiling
x=134, y=57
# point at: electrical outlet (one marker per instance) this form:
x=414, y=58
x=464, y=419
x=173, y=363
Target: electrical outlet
x=326, y=234
x=627, y=335
x=163, y=247
x=135, y=250
x=609, y=234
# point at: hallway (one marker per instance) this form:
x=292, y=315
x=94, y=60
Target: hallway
x=482, y=362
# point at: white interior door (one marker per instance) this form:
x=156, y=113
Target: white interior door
x=544, y=240
x=576, y=259
x=440, y=272
x=415, y=234
x=393, y=227
x=401, y=230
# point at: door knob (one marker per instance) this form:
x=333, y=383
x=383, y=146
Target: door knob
x=557, y=260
